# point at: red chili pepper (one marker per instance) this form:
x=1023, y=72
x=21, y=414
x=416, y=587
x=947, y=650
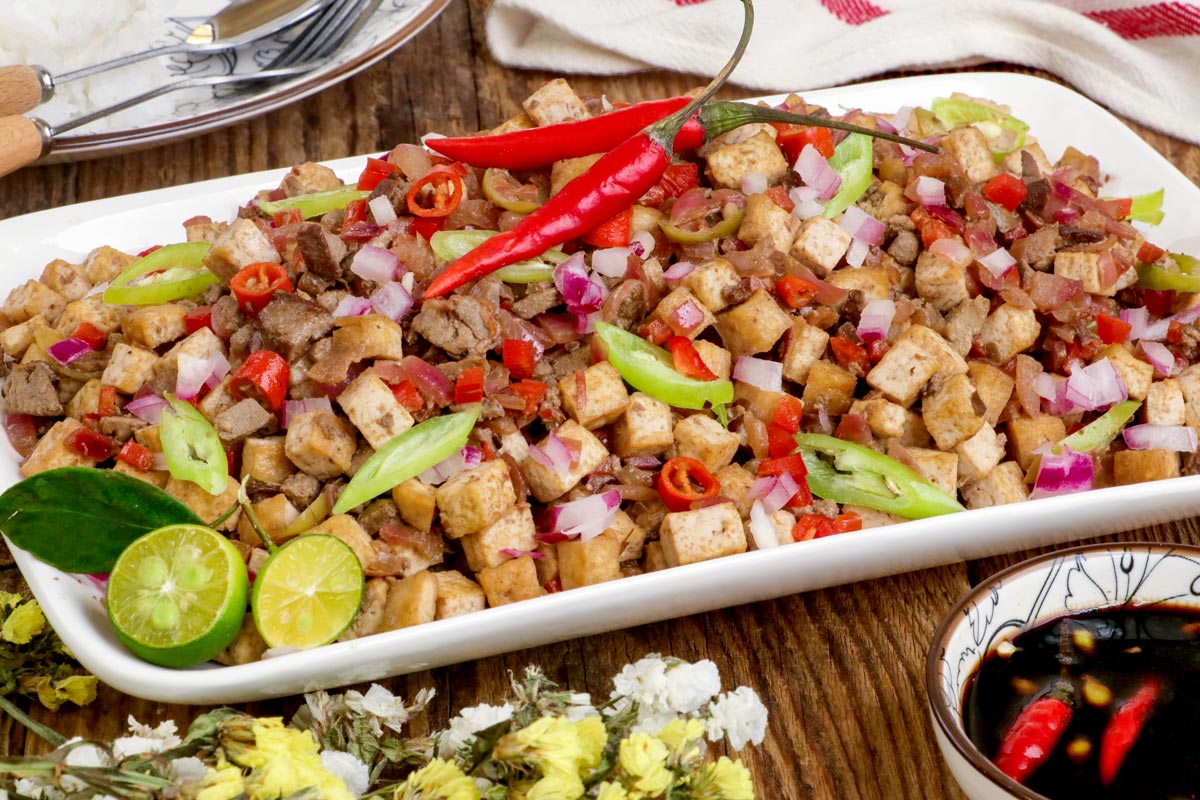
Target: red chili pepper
x=1112, y=329
x=687, y=359
x=1121, y=207
x=106, y=404
x=90, y=334
x=656, y=332
x=795, y=292
x=792, y=139
x=817, y=526
x=788, y=413
x=519, y=357
x=264, y=377
x=1149, y=252
x=469, y=386
x=532, y=392
x=406, y=394
x=1005, y=190
x=1124, y=728
x=930, y=227
x=198, y=318
x=780, y=442
x=613, y=233
x=1031, y=738
x=437, y=194
x=286, y=217
x=849, y=354
x=426, y=227
x=684, y=481
x=376, y=170
x=137, y=456
x=87, y=442
x=149, y=250
x=356, y=212
x=254, y=284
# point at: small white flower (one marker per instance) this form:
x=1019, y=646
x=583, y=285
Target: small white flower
x=579, y=706
x=187, y=770
x=469, y=722
x=349, y=768
x=739, y=715
x=380, y=706
x=690, y=686
x=644, y=682
x=144, y=739
x=651, y=721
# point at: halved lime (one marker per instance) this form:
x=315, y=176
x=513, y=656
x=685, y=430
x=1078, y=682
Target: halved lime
x=177, y=595
x=308, y=592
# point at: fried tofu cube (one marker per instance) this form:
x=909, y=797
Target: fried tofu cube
x=553, y=102
x=371, y=613
x=701, y=437
x=964, y=322
x=15, y=339
x=1004, y=484
x=656, y=559
x=199, y=344
x=457, y=595
x=687, y=537
x=476, y=498
x=718, y=360
x=889, y=420
x=105, y=263
x=950, y=412
x=585, y=563
x=374, y=410
x=874, y=282
x=806, y=346
x=243, y=244
x=1085, y=268
x=1026, y=434
x=207, y=506
x=644, y=429
x=937, y=467
x=51, y=452
x=830, y=387
x=885, y=199
x=1165, y=404
x=994, y=386
x=918, y=355
x=546, y=484
x=346, y=528
x=1137, y=374
x=266, y=458
x=1189, y=384
x=566, y=170
x=510, y=530
x=155, y=477
x=1140, y=466
x=764, y=219
x=275, y=514
x=128, y=368
x=736, y=482
x=820, y=244
x=86, y=400
x=753, y=326
x=940, y=281
x=149, y=437
x=603, y=400
x=153, y=326
x=319, y=443
x=417, y=502
x=411, y=601
x=979, y=455
x=309, y=178
x=628, y=534
x=728, y=165
x=1007, y=331
x=67, y=279
x=93, y=310
x=31, y=299
x=246, y=648
x=970, y=148
x=1013, y=161
x=709, y=280
x=690, y=309
x=510, y=582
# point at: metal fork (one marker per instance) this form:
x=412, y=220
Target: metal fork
x=24, y=140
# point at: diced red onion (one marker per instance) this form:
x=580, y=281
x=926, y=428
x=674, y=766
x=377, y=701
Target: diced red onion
x=754, y=183
x=824, y=421
x=513, y=553
x=194, y=372
x=220, y=365
x=644, y=462
x=861, y=225
x=294, y=408
x=930, y=191
x=759, y=372
x=611, y=262
x=1096, y=386
x=815, y=171
x=64, y=351
x=1053, y=389
x=773, y=491
x=352, y=306
x=761, y=527
x=1162, y=359
x=553, y=455
x=583, y=295
x=876, y=320
x=430, y=381
x=884, y=124
x=807, y=204
x=998, y=262
x=374, y=264
x=586, y=517
x=392, y=300
x=1143, y=326
x=1179, y=438
x=953, y=250
x=463, y=459
x=381, y=208
x=1063, y=473
x=856, y=254
x=901, y=119
x=1187, y=316
x=679, y=270
x=642, y=243
x=147, y=408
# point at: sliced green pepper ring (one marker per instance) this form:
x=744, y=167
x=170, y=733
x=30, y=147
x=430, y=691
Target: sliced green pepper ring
x=169, y=273
x=1187, y=279
x=1004, y=132
x=649, y=369
x=192, y=447
x=726, y=227
x=853, y=160
x=316, y=204
x=502, y=189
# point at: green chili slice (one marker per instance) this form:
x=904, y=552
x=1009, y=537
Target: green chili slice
x=853, y=160
x=502, y=189
x=1147, y=207
x=192, y=447
x=453, y=245
x=169, y=273
x=726, y=227
x=316, y=204
x=850, y=473
x=1186, y=279
x=649, y=369
x=1004, y=132
x=407, y=455
x=1097, y=434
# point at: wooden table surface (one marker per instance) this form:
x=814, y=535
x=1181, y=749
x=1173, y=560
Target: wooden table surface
x=841, y=670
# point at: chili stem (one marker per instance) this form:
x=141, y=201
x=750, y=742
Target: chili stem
x=244, y=502
x=732, y=115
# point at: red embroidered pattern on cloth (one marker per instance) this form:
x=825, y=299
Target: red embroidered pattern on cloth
x=853, y=12
x=1155, y=19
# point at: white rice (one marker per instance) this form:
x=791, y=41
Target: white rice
x=64, y=35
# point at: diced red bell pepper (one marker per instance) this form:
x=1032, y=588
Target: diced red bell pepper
x=679, y=178
x=849, y=354
x=89, y=333
x=792, y=138
x=254, y=284
x=90, y=444
x=376, y=170
x=519, y=357
x=469, y=386
x=137, y=456
x=794, y=291
x=780, y=442
x=553, y=585
x=613, y=233
x=1175, y=332
x=815, y=526
x=788, y=413
x=531, y=391
x=1007, y=191
x=356, y=211
x=1121, y=207
x=793, y=465
x=1112, y=329
x=426, y=227
x=930, y=227
x=1159, y=302
x=1150, y=253
x=263, y=376
x=197, y=318
x=687, y=359
x=287, y=216
x=656, y=332
x=406, y=394
x=106, y=404
x=781, y=198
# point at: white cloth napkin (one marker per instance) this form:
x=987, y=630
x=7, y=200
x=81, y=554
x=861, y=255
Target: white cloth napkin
x=1140, y=58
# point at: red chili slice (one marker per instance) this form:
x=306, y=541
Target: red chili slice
x=684, y=481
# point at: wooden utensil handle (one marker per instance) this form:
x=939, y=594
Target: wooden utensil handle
x=22, y=88
x=22, y=141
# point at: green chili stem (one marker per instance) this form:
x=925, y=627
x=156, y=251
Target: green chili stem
x=722, y=116
x=47, y=733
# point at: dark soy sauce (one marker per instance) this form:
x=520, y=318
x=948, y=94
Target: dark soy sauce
x=1120, y=650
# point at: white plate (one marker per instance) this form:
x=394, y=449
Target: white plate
x=191, y=112
x=1058, y=117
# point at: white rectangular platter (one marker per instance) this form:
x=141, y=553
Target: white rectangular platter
x=1057, y=116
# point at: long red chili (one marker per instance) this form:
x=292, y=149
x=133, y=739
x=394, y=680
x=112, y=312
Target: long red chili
x=1031, y=738
x=1123, y=730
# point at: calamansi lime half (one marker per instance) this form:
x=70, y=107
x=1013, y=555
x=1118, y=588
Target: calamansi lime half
x=177, y=596
x=308, y=592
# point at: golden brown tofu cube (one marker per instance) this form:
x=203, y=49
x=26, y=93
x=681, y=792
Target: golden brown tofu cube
x=735, y=482
x=1004, y=484
x=874, y=282
x=371, y=613
x=32, y=299
x=264, y=458
x=703, y=438
x=547, y=484
x=566, y=170
x=753, y=326
x=207, y=507
x=585, y=563
x=718, y=360
x=417, y=502
x=515, y=579
x=709, y=280
x=514, y=530
x=374, y=410
x=603, y=400
x=806, y=346
x=918, y=355
x=690, y=536
x=474, y=498
x=764, y=219
x=628, y=534
x=346, y=528
x=970, y=148
x=979, y=455
x=246, y=648
x=994, y=388
x=243, y=244
x=275, y=514
x=1137, y=374
x=1165, y=404
x=457, y=595
x=950, y=413
x=829, y=386
x=1026, y=434
x=681, y=306
x=1140, y=466
x=1007, y=331
x=128, y=368
x=320, y=443
x=728, y=165
x=153, y=326
x=411, y=601
x=820, y=244
x=644, y=429
x=553, y=102
x=67, y=279
x=940, y=281
x=656, y=558
x=105, y=263
x=940, y=469
x=51, y=452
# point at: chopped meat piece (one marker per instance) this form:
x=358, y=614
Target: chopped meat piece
x=322, y=251
x=243, y=419
x=301, y=489
x=1037, y=249
x=459, y=325
x=226, y=316
x=308, y=178
x=30, y=390
x=379, y=513
x=121, y=428
x=537, y=301
x=626, y=306
x=291, y=324
x=905, y=248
